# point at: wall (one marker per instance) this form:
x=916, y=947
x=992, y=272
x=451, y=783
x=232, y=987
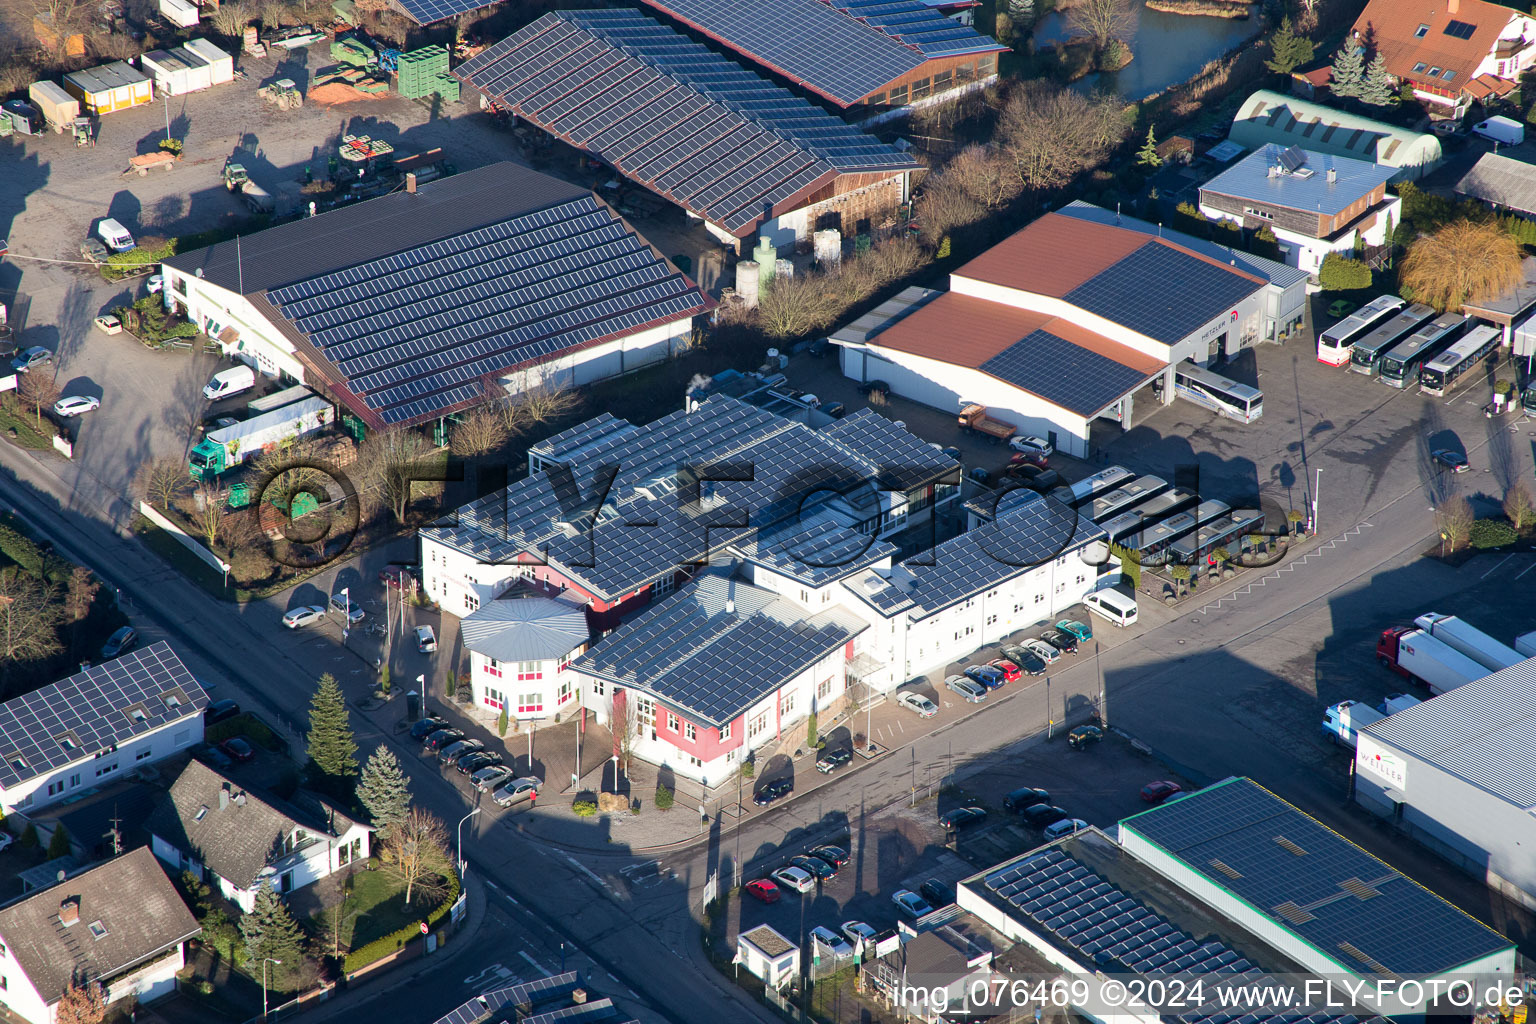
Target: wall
x=933, y=78
x=873, y=202
x=148, y=748
x=19, y=995
x=260, y=343
x=503, y=678
x=158, y=980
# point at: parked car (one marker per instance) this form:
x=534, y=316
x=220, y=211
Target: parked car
x=237, y=748
x=1042, y=650
x=815, y=867
x=763, y=889
x=936, y=893
x=1027, y=660
x=798, y=879
x=121, y=641
x=426, y=727
x=305, y=615
x=834, y=942
x=155, y=283
x=108, y=324
x=910, y=903
x=837, y=410
x=219, y=710
x=1063, y=642
x=858, y=933
x=969, y=690
x=1031, y=444
x=1009, y=670
x=400, y=576
x=1084, y=736
x=440, y=739
x=835, y=855
x=1080, y=631
x=76, y=405
x=472, y=762
x=924, y=707
x=1041, y=815
x=771, y=791
x=457, y=749
x=426, y=639
x=1451, y=460
x=343, y=604
x=950, y=452
x=986, y=675
x=487, y=779
x=212, y=756
x=871, y=387
x=831, y=760
x=1025, y=797
x=960, y=817
x=1158, y=792
x=27, y=358
x=1064, y=827
x=518, y=790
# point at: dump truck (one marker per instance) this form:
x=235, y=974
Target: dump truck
x=224, y=449
x=1414, y=654
x=1469, y=640
x=975, y=419
x=1342, y=722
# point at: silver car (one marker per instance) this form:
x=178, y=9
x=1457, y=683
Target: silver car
x=487, y=779
x=517, y=791
x=969, y=690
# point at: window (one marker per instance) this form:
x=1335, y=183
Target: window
x=179, y=283
x=74, y=780
x=875, y=99
x=69, y=742
x=144, y=754
x=1039, y=598
x=106, y=769
x=527, y=670
x=899, y=96
x=2, y=951
x=182, y=737
x=98, y=930
x=823, y=688
x=992, y=619
x=645, y=711
x=564, y=693
x=965, y=73
x=471, y=602
x=599, y=687
x=202, y=812
x=695, y=761
x=1434, y=72
x=493, y=667
x=757, y=725
x=172, y=700
x=55, y=788
x=1448, y=75
x=1254, y=211
x=671, y=722
x=529, y=702
x=787, y=702
x=1419, y=67
x=1421, y=32
x=17, y=762
x=343, y=855
x=805, y=598
x=725, y=731
x=942, y=80
x=689, y=732
x=494, y=698
x=665, y=585
x=986, y=66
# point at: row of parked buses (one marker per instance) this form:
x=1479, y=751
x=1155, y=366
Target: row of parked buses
x=1157, y=522
x=1401, y=344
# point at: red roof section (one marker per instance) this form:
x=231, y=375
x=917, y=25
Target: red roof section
x=1392, y=27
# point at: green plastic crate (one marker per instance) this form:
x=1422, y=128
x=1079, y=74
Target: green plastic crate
x=448, y=87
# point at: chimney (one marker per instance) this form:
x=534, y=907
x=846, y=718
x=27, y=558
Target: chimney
x=410, y=177
x=578, y=996
x=240, y=799
x=69, y=912
x=224, y=796
x=1333, y=176
x=730, y=607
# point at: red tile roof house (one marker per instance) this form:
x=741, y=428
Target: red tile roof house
x=1452, y=52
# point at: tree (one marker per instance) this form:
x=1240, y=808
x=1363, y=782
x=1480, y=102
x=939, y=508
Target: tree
x=1454, y=517
x=38, y=387
x=80, y=595
x=1050, y=134
x=58, y=843
x=332, y=750
x=811, y=735
x=230, y=19
x=538, y=395
x=161, y=480
x=1100, y=19
x=1180, y=574
x=1147, y=155
x=1491, y=533
x=382, y=789
x=664, y=797
x=269, y=930
x=64, y=17
x=388, y=461
x=1347, y=71
x=419, y=855
x=1289, y=50
x=208, y=511
x=501, y=720
x=81, y=1003
x=624, y=722
x=1341, y=274
x=1520, y=506
x=793, y=306
x=29, y=617
x=1465, y=261
x=1022, y=12
x=1376, y=86
x=482, y=431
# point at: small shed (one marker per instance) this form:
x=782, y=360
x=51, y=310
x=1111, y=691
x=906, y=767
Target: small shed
x=221, y=66
x=58, y=107
x=115, y=86
x=180, y=13
x=177, y=71
x=769, y=955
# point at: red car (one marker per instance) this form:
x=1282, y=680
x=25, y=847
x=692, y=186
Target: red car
x=1030, y=459
x=764, y=890
x=1157, y=792
x=1009, y=670
x=237, y=748
x=400, y=577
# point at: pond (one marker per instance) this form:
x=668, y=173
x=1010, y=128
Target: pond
x=1169, y=48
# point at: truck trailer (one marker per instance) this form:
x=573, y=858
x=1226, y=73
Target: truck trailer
x=1414, y=654
x=224, y=449
x=1462, y=636
x=975, y=419
x=1342, y=722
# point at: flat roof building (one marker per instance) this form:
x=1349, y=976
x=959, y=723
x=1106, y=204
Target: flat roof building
x=1267, y=117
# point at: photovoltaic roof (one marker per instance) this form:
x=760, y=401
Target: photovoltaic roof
x=1313, y=882
x=426, y=12
x=105, y=705
x=818, y=554
x=1161, y=292
x=843, y=49
x=1065, y=374
x=678, y=118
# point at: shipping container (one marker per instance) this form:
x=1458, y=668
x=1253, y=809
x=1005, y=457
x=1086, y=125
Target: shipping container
x=221, y=66
x=179, y=13
x=58, y=107
x=110, y=87
x=177, y=72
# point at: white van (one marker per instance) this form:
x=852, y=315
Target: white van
x=1112, y=606
x=230, y=382
x=115, y=235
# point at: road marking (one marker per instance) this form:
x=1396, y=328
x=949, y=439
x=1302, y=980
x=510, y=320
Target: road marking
x=1527, y=569
x=579, y=866
x=535, y=964
x=1289, y=566
x=1495, y=568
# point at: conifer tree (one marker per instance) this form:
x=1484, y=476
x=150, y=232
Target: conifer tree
x=1376, y=86
x=1347, y=72
x=269, y=930
x=331, y=748
x=382, y=789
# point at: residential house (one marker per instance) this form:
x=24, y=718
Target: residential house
x=97, y=725
x=1270, y=117
x=121, y=925
x=238, y=840
x=1451, y=52
x=1314, y=203
x=519, y=646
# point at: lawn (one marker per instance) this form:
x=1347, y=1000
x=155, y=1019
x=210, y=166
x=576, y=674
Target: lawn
x=14, y=416
x=376, y=908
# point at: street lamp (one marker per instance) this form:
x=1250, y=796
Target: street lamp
x=264, y=961
x=458, y=844
x=346, y=619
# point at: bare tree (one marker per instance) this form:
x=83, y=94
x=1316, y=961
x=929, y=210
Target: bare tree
x=388, y=461
x=29, y=617
x=1051, y=134
x=419, y=855
x=64, y=17
x=1465, y=261
x=162, y=480
x=540, y=394
x=1520, y=507
x=624, y=723
x=794, y=306
x=482, y=431
x=231, y=18
x=208, y=511
x=38, y=387
x=82, y=1003
x=1455, y=517
x=984, y=176
x=1102, y=20
x=82, y=591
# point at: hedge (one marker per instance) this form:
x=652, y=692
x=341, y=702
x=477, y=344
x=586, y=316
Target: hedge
x=1341, y=274
x=19, y=548
x=1491, y=533
x=380, y=948
x=1129, y=566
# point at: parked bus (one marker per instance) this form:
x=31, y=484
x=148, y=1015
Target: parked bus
x=1225, y=532
x=1442, y=373
x=1098, y=483
x=1225, y=397
x=1110, y=504
x=1334, y=343
x=1163, y=505
x=1152, y=546
x=1402, y=364
x=1365, y=355
x=1123, y=525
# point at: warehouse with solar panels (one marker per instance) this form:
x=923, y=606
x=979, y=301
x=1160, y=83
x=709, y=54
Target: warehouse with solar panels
x=743, y=155
x=416, y=305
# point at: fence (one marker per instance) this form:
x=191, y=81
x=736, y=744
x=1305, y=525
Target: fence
x=149, y=512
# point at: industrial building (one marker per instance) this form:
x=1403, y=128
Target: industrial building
x=1066, y=320
x=1458, y=774
x=731, y=148
x=410, y=307
x=1271, y=117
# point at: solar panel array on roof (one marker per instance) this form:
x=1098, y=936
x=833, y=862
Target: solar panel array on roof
x=103, y=706
x=1161, y=292
x=1064, y=374
x=427, y=12
x=415, y=334
x=1285, y=858
x=823, y=552
x=533, y=993
x=674, y=116
x=1110, y=928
